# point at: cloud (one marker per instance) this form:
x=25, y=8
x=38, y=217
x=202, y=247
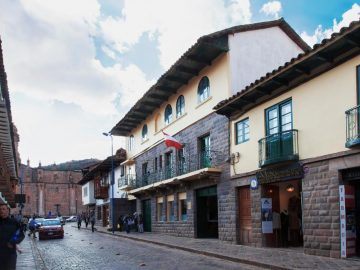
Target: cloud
x=62, y=89
x=272, y=8
x=164, y=20
x=350, y=15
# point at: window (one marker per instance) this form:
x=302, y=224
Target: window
x=144, y=133
x=181, y=165
x=131, y=142
x=182, y=206
x=160, y=162
x=159, y=209
x=279, y=118
x=145, y=173
x=180, y=106
x=85, y=191
x=170, y=208
x=242, y=131
x=205, y=152
x=155, y=164
x=168, y=114
x=203, y=89
x=122, y=170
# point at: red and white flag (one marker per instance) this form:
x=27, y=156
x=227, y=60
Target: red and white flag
x=172, y=142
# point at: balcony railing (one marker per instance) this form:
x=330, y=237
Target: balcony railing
x=208, y=159
x=352, y=127
x=279, y=147
x=127, y=180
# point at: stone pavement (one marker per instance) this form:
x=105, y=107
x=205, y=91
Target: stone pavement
x=28, y=257
x=269, y=258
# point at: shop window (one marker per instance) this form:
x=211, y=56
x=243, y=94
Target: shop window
x=203, y=89
x=242, y=131
x=180, y=106
x=170, y=213
x=168, y=114
x=182, y=206
x=159, y=209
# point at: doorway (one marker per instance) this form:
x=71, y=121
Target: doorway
x=146, y=206
x=286, y=214
x=207, y=212
x=244, y=205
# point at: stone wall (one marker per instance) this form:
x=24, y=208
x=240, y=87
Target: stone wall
x=218, y=128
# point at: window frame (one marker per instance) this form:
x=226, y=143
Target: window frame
x=144, y=133
x=278, y=108
x=180, y=106
x=131, y=142
x=243, y=123
x=168, y=115
x=203, y=92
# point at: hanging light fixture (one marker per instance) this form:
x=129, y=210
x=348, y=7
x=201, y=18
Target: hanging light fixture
x=290, y=188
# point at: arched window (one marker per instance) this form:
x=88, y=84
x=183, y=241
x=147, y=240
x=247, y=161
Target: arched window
x=144, y=133
x=131, y=142
x=180, y=106
x=203, y=89
x=157, y=122
x=168, y=114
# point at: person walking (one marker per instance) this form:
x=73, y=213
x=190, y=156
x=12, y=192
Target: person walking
x=79, y=219
x=140, y=223
x=86, y=219
x=11, y=234
x=92, y=220
x=32, y=227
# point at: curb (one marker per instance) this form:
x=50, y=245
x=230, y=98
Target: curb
x=205, y=253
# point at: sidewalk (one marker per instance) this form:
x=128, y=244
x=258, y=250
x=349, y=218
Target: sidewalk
x=27, y=259
x=269, y=258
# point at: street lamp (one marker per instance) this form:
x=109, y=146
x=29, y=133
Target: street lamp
x=108, y=134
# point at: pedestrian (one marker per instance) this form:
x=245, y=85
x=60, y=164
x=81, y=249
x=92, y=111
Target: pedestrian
x=86, y=219
x=92, y=220
x=140, y=223
x=126, y=222
x=32, y=227
x=11, y=235
x=79, y=221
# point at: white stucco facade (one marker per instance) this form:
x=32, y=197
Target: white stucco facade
x=254, y=53
x=88, y=193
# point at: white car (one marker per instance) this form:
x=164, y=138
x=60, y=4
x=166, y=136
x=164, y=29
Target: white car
x=71, y=219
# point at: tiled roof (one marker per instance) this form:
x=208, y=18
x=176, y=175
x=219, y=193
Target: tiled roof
x=329, y=53
x=201, y=54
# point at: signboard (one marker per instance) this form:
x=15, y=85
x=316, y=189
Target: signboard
x=254, y=184
x=278, y=174
x=342, y=221
x=266, y=215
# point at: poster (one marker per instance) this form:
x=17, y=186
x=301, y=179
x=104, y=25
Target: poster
x=266, y=215
x=342, y=221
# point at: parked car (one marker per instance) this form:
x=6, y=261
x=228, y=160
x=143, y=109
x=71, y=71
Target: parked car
x=71, y=219
x=51, y=228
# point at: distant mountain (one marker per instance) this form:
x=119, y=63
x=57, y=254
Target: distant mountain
x=73, y=165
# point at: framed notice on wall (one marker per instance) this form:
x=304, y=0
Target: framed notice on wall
x=266, y=215
x=342, y=221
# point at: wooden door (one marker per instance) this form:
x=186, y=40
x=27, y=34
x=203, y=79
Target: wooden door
x=245, y=231
x=147, y=215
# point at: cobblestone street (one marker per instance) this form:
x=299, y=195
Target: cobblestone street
x=82, y=249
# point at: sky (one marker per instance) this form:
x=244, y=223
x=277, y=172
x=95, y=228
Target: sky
x=75, y=67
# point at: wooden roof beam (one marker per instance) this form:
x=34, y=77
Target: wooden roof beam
x=159, y=97
x=199, y=59
x=324, y=57
x=187, y=70
x=352, y=40
x=176, y=79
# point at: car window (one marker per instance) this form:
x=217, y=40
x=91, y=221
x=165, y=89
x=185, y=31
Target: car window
x=51, y=222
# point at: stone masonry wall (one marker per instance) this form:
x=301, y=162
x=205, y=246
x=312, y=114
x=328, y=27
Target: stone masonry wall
x=218, y=128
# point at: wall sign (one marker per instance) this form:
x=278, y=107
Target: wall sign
x=342, y=221
x=266, y=215
x=279, y=174
x=254, y=184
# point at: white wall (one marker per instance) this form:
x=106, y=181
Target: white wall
x=254, y=53
x=90, y=193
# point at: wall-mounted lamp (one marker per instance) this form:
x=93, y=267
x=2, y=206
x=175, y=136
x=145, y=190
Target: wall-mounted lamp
x=290, y=188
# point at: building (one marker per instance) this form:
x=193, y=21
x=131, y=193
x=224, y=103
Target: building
x=295, y=156
x=185, y=191
x=51, y=191
x=100, y=195
x=9, y=138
